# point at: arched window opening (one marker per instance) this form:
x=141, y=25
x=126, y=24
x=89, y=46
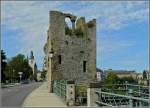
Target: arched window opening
x=68, y=22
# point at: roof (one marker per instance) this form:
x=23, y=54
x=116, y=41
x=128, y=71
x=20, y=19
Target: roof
x=121, y=71
x=98, y=70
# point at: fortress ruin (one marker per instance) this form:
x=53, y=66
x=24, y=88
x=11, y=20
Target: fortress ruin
x=70, y=51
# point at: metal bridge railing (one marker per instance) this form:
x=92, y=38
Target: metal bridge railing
x=138, y=90
x=60, y=88
x=115, y=100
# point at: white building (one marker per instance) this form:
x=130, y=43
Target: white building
x=39, y=76
x=100, y=75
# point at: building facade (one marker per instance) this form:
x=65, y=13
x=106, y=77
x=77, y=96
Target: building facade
x=70, y=52
x=39, y=76
x=100, y=74
x=122, y=73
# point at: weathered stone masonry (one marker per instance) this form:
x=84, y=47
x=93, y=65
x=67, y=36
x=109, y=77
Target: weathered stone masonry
x=74, y=50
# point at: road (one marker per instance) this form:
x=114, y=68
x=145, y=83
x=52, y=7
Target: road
x=14, y=96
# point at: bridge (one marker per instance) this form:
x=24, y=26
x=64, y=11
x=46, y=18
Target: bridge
x=117, y=95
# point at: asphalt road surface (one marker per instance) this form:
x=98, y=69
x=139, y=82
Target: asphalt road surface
x=14, y=96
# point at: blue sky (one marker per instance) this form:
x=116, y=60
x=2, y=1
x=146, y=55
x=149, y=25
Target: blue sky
x=122, y=30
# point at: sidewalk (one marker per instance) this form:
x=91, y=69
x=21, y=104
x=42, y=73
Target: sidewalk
x=41, y=98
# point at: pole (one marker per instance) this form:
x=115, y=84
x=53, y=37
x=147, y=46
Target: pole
x=13, y=76
x=130, y=100
x=20, y=75
x=126, y=87
x=20, y=78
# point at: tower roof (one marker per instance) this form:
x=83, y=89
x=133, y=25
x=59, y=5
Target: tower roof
x=31, y=55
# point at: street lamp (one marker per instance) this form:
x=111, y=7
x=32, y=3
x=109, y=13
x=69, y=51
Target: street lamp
x=13, y=76
x=51, y=54
x=20, y=75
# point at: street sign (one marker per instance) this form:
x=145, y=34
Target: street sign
x=20, y=73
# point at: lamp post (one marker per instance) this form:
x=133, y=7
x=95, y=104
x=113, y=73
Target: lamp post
x=13, y=76
x=50, y=55
x=20, y=75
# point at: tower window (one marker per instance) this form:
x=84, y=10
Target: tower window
x=84, y=66
x=66, y=42
x=59, y=59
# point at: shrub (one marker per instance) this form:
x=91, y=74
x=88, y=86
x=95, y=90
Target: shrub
x=68, y=31
x=78, y=32
x=90, y=24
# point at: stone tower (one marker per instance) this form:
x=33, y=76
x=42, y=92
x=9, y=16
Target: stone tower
x=70, y=52
x=32, y=63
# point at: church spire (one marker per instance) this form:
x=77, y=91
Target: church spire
x=31, y=55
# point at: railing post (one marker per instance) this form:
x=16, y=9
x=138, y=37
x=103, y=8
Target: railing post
x=92, y=97
x=140, y=103
x=130, y=100
x=126, y=87
x=70, y=93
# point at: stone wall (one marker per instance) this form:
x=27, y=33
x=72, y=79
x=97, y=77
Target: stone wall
x=75, y=54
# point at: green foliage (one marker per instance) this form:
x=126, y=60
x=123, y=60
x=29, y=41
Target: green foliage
x=144, y=75
x=112, y=78
x=90, y=24
x=3, y=66
x=81, y=90
x=43, y=75
x=68, y=31
x=31, y=77
x=78, y=32
x=35, y=77
x=128, y=79
x=18, y=64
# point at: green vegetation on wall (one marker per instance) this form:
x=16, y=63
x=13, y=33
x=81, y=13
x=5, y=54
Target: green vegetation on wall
x=78, y=32
x=90, y=24
x=68, y=31
x=81, y=90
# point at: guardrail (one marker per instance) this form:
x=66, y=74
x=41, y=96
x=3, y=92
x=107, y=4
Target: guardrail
x=65, y=90
x=139, y=90
x=115, y=100
x=59, y=87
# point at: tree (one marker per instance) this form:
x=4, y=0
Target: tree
x=144, y=74
x=3, y=64
x=27, y=71
x=18, y=64
x=128, y=79
x=112, y=78
x=43, y=75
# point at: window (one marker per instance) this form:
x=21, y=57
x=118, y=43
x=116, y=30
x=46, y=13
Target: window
x=68, y=22
x=84, y=66
x=66, y=42
x=59, y=59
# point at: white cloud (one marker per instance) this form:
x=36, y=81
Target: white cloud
x=110, y=45
x=136, y=61
x=32, y=19
x=115, y=15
